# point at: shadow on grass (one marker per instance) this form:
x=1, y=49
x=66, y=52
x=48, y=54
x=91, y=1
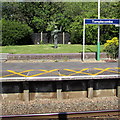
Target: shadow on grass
x=89, y=50
x=53, y=46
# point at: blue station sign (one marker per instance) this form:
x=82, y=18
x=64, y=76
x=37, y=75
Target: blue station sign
x=102, y=21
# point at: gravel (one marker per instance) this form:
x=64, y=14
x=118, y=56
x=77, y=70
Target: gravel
x=54, y=105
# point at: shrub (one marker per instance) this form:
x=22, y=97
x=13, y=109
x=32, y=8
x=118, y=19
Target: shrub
x=111, y=47
x=15, y=33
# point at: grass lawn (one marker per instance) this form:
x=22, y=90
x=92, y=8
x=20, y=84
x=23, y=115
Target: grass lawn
x=48, y=48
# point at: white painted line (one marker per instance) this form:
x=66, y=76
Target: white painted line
x=61, y=77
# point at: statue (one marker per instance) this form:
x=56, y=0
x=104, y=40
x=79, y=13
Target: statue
x=55, y=36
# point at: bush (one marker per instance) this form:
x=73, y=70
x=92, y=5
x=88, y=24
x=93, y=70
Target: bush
x=111, y=47
x=15, y=33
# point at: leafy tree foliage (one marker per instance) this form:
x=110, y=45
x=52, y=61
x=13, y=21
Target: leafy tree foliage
x=15, y=33
x=42, y=17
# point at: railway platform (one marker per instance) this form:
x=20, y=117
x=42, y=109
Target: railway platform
x=41, y=69
x=71, y=86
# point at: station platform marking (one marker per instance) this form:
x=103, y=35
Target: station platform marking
x=66, y=72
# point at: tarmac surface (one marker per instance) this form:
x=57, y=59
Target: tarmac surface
x=43, y=69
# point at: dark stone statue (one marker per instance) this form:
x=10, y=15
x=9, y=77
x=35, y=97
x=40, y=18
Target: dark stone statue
x=55, y=36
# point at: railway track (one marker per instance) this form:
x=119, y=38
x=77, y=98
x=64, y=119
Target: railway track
x=65, y=115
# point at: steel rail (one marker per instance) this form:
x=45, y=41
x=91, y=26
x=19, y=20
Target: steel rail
x=68, y=114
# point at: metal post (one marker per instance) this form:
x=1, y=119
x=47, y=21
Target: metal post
x=83, y=40
x=63, y=37
x=98, y=42
x=118, y=25
x=119, y=42
x=41, y=37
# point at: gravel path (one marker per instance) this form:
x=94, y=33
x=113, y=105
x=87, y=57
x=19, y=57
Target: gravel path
x=53, y=105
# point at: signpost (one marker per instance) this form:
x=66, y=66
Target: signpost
x=102, y=21
x=118, y=25
x=98, y=41
x=115, y=22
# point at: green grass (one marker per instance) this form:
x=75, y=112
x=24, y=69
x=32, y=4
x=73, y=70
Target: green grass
x=48, y=48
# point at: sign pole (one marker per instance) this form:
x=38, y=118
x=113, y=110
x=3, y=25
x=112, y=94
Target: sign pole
x=98, y=42
x=83, y=40
x=118, y=25
x=119, y=42
x=99, y=22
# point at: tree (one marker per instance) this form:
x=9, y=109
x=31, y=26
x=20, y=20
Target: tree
x=77, y=12
x=38, y=15
x=15, y=33
x=42, y=16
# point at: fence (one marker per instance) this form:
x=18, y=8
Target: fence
x=46, y=38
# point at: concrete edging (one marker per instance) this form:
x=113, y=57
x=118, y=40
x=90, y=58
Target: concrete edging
x=91, y=87
x=53, y=56
x=58, y=78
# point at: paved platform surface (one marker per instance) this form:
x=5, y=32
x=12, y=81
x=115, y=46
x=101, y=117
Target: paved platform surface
x=58, y=69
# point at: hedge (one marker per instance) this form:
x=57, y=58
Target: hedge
x=15, y=33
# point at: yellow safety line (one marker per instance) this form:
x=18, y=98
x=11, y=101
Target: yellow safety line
x=110, y=68
x=17, y=73
x=102, y=71
x=75, y=72
x=107, y=70
x=40, y=70
x=59, y=74
x=81, y=71
x=21, y=72
x=69, y=70
x=115, y=68
x=44, y=72
x=6, y=75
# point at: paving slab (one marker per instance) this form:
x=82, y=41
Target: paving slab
x=58, y=69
